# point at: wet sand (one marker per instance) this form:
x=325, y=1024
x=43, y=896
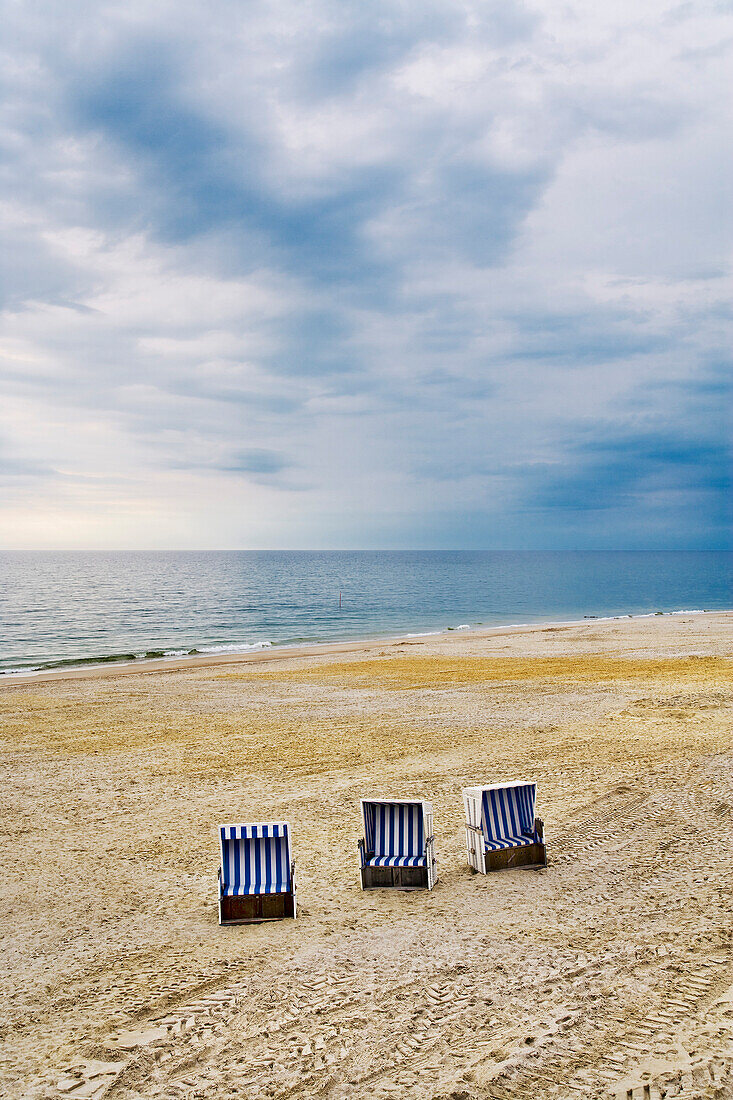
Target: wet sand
x=607, y=974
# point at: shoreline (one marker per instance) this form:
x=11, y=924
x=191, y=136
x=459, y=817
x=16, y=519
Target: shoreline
x=287, y=652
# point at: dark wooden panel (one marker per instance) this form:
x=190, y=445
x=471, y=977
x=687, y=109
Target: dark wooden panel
x=397, y=878
x=532, y=855
x=257, y=907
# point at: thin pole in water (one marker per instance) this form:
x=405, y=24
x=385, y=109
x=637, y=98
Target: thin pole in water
x=339, y=599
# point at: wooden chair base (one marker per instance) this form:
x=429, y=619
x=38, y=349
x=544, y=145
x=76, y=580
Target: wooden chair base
x=256, y=908
x=395, y=878
x=531, y=855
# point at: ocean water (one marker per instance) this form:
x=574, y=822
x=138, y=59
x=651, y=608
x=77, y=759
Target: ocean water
x=59, y=609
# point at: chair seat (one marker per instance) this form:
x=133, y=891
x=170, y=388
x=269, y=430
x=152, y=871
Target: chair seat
x=228, y=891
x=397, y=861
x=498, y=844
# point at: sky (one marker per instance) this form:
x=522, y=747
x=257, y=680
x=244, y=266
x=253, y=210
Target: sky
x=362, y=274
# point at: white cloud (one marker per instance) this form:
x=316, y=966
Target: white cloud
x=267, y=270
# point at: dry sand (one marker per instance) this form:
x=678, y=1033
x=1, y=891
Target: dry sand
x=607, y=974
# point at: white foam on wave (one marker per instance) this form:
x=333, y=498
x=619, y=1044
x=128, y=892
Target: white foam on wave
x=615, y=618
x=240, y=648
x=436, y=633
x=249, y=647
x=587, y=619
x=168, y=655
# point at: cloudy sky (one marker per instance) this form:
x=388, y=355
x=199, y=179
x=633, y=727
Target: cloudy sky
x=441, y=274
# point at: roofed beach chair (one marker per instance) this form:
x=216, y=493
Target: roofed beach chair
x=257, y=874
x=501, y=827
x=398, y=848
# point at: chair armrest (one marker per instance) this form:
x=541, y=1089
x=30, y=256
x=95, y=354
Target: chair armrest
x=475, y=828
x=539, y=828
x=364, y=855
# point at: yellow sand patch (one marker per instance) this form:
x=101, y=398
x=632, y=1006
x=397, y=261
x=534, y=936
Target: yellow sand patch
x=242, y=740
x=424, y=672
x=280, y=743
x=255, y=733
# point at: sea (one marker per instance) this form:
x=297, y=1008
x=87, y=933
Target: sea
x=69, y=609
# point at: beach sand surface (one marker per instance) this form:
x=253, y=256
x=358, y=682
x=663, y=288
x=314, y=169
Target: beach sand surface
x=607, y=974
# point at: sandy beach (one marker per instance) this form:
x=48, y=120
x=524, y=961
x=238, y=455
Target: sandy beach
x=607, y=974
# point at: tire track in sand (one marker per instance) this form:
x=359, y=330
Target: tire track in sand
x=342, y=1035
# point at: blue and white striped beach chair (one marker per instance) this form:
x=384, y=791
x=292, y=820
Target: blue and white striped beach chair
x=257, y=874
x=398, y=848
x=501, y=827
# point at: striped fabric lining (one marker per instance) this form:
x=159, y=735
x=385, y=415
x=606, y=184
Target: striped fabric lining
x=244, y=891
x=398, y=861
x=508, y=842
x=507, y=813
x=394, y=829
x=255, y=860
x=262, y=829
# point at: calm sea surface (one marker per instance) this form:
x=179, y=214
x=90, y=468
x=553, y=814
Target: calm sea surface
x=74, y=608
